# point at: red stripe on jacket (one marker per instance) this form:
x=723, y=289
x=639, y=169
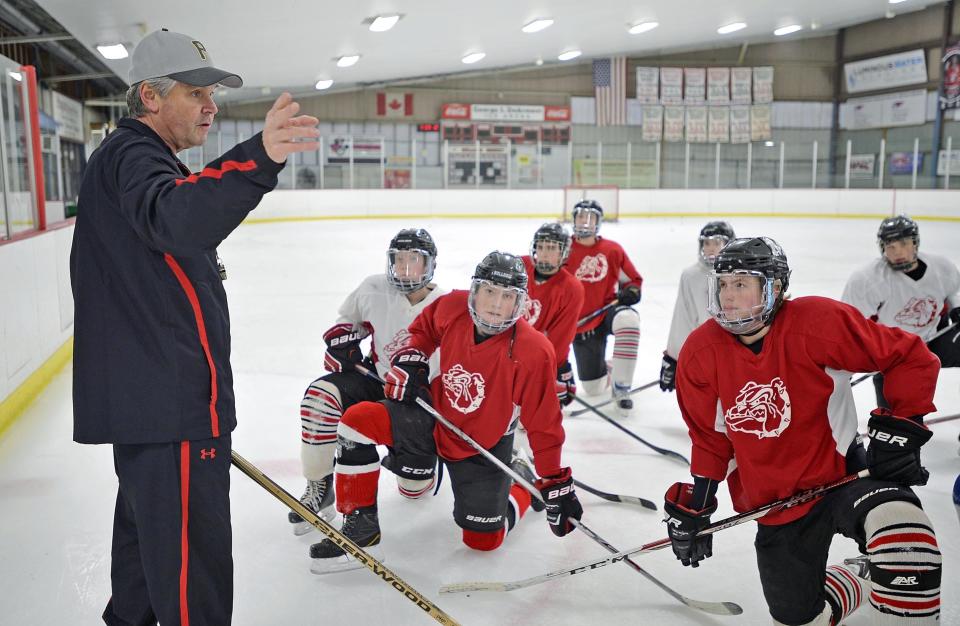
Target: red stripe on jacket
x=191, y=293
x=211, y=172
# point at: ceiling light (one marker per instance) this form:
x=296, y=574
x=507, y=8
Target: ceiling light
x=731, y=28
x=324, y=83
x=897, y=1
x=537, y=25
x=768, y=144
x=348, y=60
x=15, y=76
x=113, y=51
x=383, y=23
x=473, y=57
x=569, y=54
x=786, y=30
x=642, y=27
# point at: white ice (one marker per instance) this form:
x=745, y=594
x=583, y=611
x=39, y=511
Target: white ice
x=285, y=283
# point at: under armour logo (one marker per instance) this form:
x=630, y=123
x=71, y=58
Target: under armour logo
x=208, y=453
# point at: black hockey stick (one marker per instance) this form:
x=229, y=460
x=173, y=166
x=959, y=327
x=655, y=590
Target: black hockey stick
x=610, y=400
x=942, y=331
x=615, y=497
x=599, y=311
x=342, y=541
x=669, y=453
x=717, y=608
x=735, y=520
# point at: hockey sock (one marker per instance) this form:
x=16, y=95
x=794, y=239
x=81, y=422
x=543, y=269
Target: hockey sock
x=414, y=489
x=845, y=592
x=905, y=564
x=626, y=338
x=320, y=412
x=363, y=426
x=519, y=501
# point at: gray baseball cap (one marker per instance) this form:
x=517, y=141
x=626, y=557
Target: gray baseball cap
x=181, y=57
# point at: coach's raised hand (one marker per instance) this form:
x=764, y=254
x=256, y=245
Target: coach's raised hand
x=285, y=132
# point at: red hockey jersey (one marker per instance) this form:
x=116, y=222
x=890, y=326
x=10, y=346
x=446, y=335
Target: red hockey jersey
x=484, y=388
x=553, y=307
x=781, y=421
x=600, y=268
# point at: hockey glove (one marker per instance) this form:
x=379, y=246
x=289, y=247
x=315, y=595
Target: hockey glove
x=343, y=348
x=668, y=373
x=409, y=376
x=561, y=500
x=628, y=295
x=894, y=450
x=566, y=386
x=954, y=315
x=684, y=522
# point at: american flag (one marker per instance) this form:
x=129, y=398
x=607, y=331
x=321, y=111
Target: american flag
x=610, y=86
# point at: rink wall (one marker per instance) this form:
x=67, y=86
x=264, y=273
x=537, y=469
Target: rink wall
x=548, y=203
x=36, y=316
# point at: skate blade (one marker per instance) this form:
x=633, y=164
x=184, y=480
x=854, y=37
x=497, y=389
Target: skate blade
x=303, y=527
x=344, y=563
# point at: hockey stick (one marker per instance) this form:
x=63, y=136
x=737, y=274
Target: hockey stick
x=341, y=540
x=599, y=311
x=942, y=331
x=669, y=453
x=942, y=418
x=610, y=400
x=718, y=608
x=615, y=497
x=735, y=520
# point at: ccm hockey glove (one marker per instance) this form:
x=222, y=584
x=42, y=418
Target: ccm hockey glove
x=566, y=386
x=684, y=522
x=668, y=373
x=561, y=500
x=343, y=348
x=894, y=450
x=409, y=376
x=628, y=295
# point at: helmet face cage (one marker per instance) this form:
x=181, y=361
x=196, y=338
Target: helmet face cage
x=894, y=229
x=401, y=274
x=550, y=233
x=480, y=289
x=709, y=259
x=744, y=321
x=592, y=224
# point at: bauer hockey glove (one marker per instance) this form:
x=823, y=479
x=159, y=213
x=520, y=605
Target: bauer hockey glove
x=409, y=376
x=668, y=373
x=684, y=522
x=894, y=450
x=561, y=500
x=628, y=295
x=343, y=348
x=954, y=315
x=566, y=386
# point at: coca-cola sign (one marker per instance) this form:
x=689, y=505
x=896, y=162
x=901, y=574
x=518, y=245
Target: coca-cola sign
x=455, y=111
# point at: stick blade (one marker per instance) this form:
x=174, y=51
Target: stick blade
x=471, y=587
x=714, y=608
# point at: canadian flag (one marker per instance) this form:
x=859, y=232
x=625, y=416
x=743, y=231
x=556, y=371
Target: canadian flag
x=394, y=104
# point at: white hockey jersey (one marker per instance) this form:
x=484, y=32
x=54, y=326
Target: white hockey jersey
x=385, y=313
x=691, y=308
x=894, y=299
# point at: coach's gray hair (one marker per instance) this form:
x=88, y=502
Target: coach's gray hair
x=162, y=86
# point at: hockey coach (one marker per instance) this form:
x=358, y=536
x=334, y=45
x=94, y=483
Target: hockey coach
x=151, y=369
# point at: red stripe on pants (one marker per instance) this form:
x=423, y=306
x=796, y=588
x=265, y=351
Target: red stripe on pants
x=184, y=536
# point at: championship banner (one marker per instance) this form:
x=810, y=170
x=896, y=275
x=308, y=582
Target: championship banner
x=892, y=70
x=740, y=84
x=696, y=124
x=652, y=123
x=760, y=122
x=740, y=124
x=950, y=95
x=673, y=123
x=718, y=85
x=719, y=127
x=694, y=85
x=671, y=85
x=762, y=85
x=648, y=85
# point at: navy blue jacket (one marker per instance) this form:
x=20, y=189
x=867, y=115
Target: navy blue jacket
x=151, y=356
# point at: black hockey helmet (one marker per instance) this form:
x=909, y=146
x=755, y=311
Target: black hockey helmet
x=757, y=256
x=416, y=240
x=893, y=229
x=592, y=227
x=551, y=232
x=500, y=271
x=714, y=230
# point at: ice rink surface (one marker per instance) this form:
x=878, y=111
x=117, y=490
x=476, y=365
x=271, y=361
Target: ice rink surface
x=285, y=283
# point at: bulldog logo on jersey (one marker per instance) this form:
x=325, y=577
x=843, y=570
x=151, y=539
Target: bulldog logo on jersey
x=531, y=311
x=761, y=409
x=399, y=341
x=593, y=269
x=919, y=312
x=464, y=390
